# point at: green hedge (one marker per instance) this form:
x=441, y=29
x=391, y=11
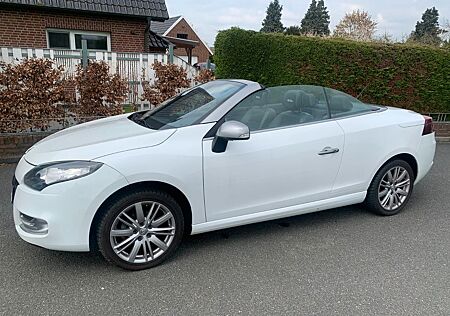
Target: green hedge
x=412, y=77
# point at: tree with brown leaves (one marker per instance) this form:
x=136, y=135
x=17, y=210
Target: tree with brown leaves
x=31, y=95
x=170, y=80
x=204, y=76
x=357, y=25
x=101, y=93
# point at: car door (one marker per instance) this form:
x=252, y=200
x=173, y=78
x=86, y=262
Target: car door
x=369, y=139
x=290, y=159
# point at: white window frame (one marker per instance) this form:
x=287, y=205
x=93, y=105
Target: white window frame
x=72, y=37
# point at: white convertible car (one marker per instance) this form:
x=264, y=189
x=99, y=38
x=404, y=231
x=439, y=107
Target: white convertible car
x=223, y=154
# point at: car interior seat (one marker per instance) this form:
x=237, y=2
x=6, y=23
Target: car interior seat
x=293, y=101
x=319, y=110
x=259, y=114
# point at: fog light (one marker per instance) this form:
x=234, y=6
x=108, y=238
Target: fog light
x=33, y=225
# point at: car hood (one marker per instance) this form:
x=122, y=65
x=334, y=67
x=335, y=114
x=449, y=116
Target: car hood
x=95, y=139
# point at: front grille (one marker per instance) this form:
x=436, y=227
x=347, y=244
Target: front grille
x=15, y=184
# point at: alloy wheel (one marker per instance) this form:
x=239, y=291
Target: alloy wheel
x=394, y=188
x=142, y=232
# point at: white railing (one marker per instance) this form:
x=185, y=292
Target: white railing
x=130, y=66
x=440, y=117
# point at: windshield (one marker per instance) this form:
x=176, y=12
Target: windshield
x=189, y=107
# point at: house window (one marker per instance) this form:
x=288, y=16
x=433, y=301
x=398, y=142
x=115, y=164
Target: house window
x=182, y=35
x=67, y=39
x=58, y=40
x=96, y=42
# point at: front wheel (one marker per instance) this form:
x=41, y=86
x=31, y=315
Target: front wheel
x=391, y=188
x=140, y=230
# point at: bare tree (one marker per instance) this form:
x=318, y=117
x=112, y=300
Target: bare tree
x=385, y=38
x=357, y=25
x=445, y=32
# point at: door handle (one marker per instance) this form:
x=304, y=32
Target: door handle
x=328, y=151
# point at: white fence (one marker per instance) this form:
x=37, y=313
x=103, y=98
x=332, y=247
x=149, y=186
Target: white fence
x=130, y=66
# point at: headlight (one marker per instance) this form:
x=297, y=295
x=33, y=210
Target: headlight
x=42, y=176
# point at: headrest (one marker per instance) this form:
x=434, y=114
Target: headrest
x=307, y=100
x=312, y=100
x=295, y=100
x=258, y=99
x=340, y=103
x=290, y=99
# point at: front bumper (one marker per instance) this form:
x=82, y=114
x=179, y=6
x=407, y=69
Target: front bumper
x=68, y=208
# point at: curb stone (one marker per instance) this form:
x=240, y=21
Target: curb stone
x=443, y=139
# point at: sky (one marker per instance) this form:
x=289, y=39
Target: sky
x=395, y=17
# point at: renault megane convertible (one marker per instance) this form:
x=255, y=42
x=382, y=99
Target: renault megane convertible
x=222, y=154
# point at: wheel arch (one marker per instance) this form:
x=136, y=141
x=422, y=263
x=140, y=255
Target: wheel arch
x=407, y=157
x=176, y=193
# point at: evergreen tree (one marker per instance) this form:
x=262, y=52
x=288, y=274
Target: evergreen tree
x=272, y=22
x=323, y=19
x=293, y=30
x=427, y=31
x=307, y=24
x=316, y=20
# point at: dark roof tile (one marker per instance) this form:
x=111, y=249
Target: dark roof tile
x=157, y=41
x=155, y=9
x=162, y=27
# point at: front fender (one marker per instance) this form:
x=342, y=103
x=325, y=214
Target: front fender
x=177, y=162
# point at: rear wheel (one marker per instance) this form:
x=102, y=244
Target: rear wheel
x=391, y=188
x=140, y=230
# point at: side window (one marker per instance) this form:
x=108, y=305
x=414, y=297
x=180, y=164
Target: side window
x=280, y=107
x=342, y=104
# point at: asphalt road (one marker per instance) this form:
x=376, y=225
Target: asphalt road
x=339, y=262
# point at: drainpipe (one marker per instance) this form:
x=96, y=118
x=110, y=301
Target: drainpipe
x=147, y=35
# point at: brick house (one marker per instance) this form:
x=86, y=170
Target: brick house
x=178, y=31
x=109, y=25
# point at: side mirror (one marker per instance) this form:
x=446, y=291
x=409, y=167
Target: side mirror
x=229, y=131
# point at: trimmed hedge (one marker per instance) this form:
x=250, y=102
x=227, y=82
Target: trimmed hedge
x=401, y=75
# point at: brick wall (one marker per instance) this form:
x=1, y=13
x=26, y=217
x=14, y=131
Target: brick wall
x=201, y=51
x=12, y=147
x=442, y=129
x=26, y=28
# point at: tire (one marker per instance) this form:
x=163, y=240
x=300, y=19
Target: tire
x=140, y=230
x=389, y=194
